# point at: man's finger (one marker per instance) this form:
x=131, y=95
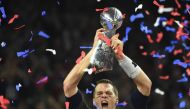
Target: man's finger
x=100, y=30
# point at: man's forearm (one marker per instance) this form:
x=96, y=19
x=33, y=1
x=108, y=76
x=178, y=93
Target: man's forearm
x=75, y=75
x=136, y=73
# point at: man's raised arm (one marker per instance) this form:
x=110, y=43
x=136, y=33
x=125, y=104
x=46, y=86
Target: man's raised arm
x=75, y=75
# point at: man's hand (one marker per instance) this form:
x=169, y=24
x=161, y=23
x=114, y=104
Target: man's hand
x=96, y=38
x=117, y=46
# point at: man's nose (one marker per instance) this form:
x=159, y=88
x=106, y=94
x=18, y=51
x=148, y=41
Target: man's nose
x=104, y=95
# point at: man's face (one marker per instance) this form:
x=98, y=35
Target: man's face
x=104, y=97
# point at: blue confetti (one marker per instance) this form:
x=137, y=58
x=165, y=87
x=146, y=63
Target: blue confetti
x=24, y=54
x=44, y=35
x=183, y=79
x=85, y=47
x=186, y=47
x=3, y=12
x=88, y=91
x=127, y=30
x=123, y=104
x=169, y=48
x=182, y=104
x=43, y=13
x=18, y=87
x=158, y=56
x=174, y=42
x=134, y=17
x=170, y=29
x=178, y=62
x=145, y=28
x=180, y=95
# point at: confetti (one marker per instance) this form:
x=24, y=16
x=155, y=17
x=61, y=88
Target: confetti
x=43, y=13
x=80, y=58
x=12, y=19
x=158, y=91
x=162, y=10
x=127, y=30
x=159, y=37
x=149, y=38
x=42, y=80
x=182, y=104
x=139, y=7
x=183, y=79
x=29, y=70
x=85, y=47
x=105, y=39
x=43, y=34
x=3, y=44
x=180, y=95
x=3, y=12
x=24, y=54
x=17, y=28
x=67, y=105
x=4, y=102
x=164, y=77
x=18, y=86
x=134, y=17
x=51, y=50
x=122, y=104
x=178, y=4
x=88, y=91
x=145, y=28
x=178, y=62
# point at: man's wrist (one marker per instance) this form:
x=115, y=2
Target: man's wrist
x=130, y=68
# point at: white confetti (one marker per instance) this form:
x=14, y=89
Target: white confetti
x=158, y=91
x=51, y=50
x=162, y=10
x=139, y=7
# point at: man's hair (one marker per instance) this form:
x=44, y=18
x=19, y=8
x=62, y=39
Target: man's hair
x=107, y=81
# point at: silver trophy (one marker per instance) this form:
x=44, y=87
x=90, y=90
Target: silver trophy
x=111, y=19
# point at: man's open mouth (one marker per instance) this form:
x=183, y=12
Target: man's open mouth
x=104, y=105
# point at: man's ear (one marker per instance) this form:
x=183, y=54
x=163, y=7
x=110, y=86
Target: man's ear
x=117, y=100
x=94, y=103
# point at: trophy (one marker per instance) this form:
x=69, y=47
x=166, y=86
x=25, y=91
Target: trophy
x=111, y=19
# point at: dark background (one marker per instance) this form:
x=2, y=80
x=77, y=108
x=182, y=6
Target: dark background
x=71, y=24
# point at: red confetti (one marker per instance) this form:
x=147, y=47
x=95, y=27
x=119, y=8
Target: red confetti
x=159, y=37
x=4, y=102
x=157, y=4
x=188, y=71
x=29, y=70
x=149, y=39
x=81, y=57
x=170, y=22
x=153, y=52
x=178, y=4
x=175, y=13
x=180, y=33
x=67, y=105
x=19, y=27
x=105, y=39
x=104, y=9
x=12, y=19
x=164, y=77
x=176, y=52
x=160, y=66
x=147, y=12
x=144, y=53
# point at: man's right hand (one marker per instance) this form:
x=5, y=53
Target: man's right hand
x=98, y=32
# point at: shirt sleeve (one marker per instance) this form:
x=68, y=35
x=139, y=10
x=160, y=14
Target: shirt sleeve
x=139, y=101
x=74, y=101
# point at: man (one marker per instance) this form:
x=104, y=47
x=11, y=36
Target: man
x=106, y=95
